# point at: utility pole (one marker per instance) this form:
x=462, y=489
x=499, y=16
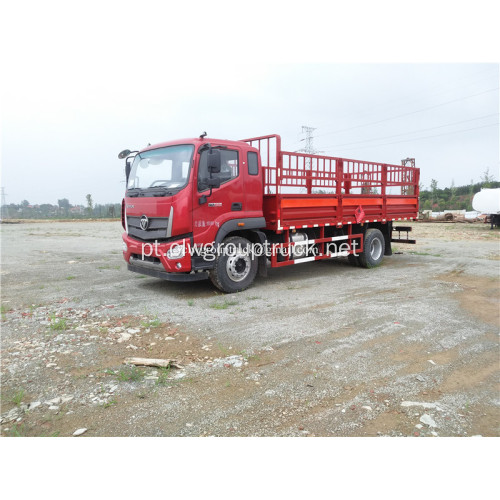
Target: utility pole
x=2, y=203
x=309, y=149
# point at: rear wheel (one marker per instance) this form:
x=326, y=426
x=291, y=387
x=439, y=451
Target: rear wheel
x=235, y=268
x=373, y=248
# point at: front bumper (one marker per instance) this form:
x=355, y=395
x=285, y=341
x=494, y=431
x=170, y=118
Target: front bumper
x=151, y=259
x=147, y=268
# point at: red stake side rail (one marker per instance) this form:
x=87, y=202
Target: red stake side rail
x=304, y=190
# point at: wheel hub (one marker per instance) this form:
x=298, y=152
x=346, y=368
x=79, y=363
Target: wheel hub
x=376, y=249
x=238, y=267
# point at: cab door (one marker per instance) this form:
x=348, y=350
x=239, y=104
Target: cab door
x=226, y=202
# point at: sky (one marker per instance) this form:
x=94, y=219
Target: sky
x=88, y=82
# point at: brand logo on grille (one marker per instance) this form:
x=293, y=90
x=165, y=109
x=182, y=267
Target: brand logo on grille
x=144, y=223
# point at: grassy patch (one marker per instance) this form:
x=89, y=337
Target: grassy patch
x=163, y=374
x=223, y=305
x=70, y=277
x=426, y=253
x=250, y=357
x=57, y=324
x=224, y=351
x=18, y=430
x=111, y=402
x=190, y=302
x=17, y=399
x=21, y=430
x=3, y=311
x=130, y=374
x=151, y=323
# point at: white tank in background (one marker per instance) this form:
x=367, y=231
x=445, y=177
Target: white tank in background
x=487, y=201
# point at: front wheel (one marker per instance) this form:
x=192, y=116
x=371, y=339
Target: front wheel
x=235, y=266
x=373, y=248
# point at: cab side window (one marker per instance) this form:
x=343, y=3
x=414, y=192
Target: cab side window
x=229, y=168
x=253, y=163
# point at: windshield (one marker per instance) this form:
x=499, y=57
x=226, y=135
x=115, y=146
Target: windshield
x=163, y=167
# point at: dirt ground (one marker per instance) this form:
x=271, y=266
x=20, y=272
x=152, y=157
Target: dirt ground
x=321, y=349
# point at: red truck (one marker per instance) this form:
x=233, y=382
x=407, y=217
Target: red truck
x=227, y=210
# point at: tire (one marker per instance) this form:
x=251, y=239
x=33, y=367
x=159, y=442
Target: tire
x=236, y=268
x=373, y=249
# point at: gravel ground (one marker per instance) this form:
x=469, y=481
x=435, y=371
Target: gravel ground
x=321, y=349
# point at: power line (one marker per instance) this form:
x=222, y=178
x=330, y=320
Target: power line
x=426, y=137
x=409, y=113
x=423, y=93
x=412, y=132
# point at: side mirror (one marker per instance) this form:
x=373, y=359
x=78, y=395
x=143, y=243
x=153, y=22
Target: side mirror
x=124, y=154
x=214, y=161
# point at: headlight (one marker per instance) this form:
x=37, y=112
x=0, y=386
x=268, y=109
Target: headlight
x=176, y=251
x=124, y=246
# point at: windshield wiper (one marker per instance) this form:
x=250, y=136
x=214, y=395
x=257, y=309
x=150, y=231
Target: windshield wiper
x=135, y=192
x=163, y=192
x=151, y=191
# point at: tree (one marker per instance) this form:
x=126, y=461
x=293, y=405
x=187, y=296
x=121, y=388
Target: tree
x=45, y=209
x=452, y=200
x=89, y=205
x=434, y=185
x=64, y=205
x=487, y=178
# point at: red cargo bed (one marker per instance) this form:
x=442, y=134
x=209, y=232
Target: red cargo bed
x=304, y=190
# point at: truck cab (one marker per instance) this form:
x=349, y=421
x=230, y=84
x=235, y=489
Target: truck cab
x=186, y=194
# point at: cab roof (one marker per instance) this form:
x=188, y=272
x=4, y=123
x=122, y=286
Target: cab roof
x=197, y=142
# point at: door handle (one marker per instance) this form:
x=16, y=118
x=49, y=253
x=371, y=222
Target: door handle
x=236, y=206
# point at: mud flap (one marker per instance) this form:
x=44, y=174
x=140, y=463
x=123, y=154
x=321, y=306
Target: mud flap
x=262, y=271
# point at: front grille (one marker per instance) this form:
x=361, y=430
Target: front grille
x=157, y=228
